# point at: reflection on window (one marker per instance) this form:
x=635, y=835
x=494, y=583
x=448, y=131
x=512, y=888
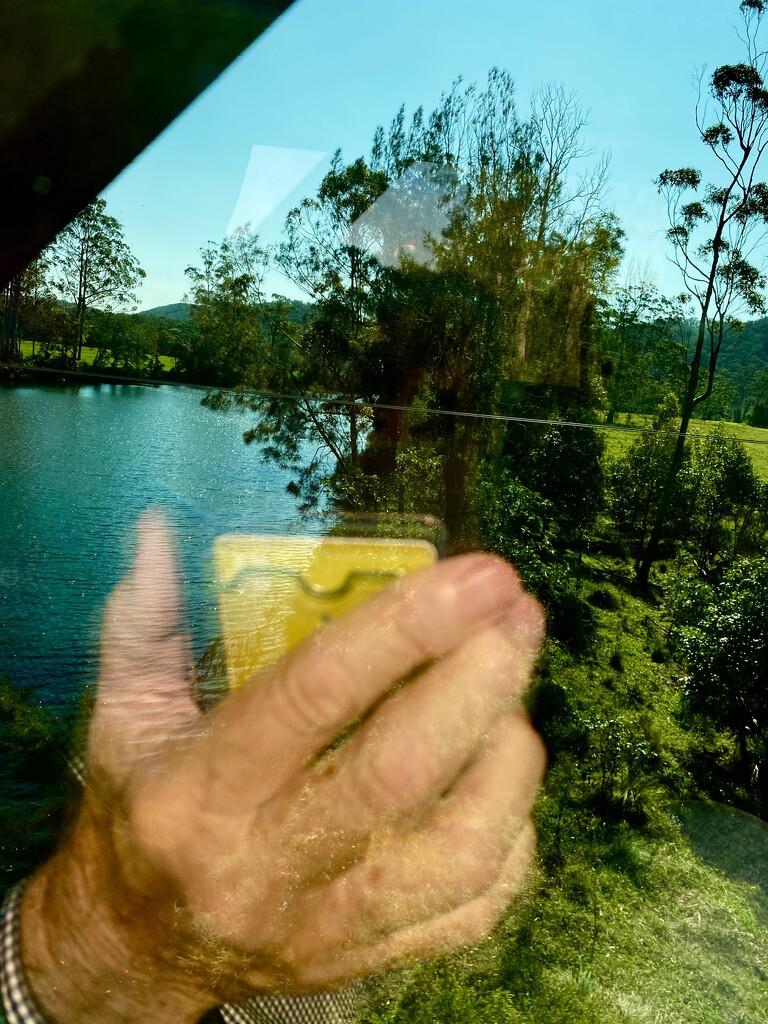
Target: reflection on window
x=453, y=325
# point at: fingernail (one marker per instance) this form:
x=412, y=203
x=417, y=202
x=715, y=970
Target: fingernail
x=486, y=587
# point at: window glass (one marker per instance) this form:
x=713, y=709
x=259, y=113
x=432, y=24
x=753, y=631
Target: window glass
x=501, y=266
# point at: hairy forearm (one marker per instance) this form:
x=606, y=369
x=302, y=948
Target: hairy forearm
x=91, y=953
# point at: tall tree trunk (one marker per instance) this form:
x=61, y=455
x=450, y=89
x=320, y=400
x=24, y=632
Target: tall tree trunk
x=78, y=346
x=651, y=553
x=9, y=325
x=456, y=472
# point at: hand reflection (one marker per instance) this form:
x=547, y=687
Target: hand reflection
x=224, y=854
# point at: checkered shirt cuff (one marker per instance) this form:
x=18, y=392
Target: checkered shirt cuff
x=17, y=1000
x=320, y=1008
x=343, y=1007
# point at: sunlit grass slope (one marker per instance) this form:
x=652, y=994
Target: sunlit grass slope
x=663, y=932
x=755, y=438
x=89, y=355
x=661, y=922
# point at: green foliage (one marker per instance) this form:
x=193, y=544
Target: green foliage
x=687, y=595
x=732, y=84
x=721, y=403
x=241, y=340
x=92, y=267
x=20, y=301
x=642, y=356
x=516, y=524
x=717, y=505
x=726, y=651
x=55, y=329
x=743, y=355
x=685, y=177
x=723, y=501
x=564, y=466
x=624, y=769
x=126, y=344
x=619, y=442
x=637, y=482
x=757, y=415
x=520, y=524
x=36, y=783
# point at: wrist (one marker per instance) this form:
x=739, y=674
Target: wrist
x=93, y=950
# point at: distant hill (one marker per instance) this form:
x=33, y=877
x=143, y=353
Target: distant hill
x=299, y=312
x=742, y=352
x=747, y=350
x=175, y=311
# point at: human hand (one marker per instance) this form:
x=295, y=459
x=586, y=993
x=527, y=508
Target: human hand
x=221, y=855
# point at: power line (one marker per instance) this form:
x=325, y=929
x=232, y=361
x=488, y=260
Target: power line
x=349, y=403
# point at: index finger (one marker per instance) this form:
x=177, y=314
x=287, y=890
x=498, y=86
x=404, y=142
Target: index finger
x=340, y=673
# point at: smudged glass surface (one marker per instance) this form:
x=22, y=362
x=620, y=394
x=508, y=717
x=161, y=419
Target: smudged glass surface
x=78, y=464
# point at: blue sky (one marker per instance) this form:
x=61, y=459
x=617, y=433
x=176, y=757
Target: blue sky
x=329, y=71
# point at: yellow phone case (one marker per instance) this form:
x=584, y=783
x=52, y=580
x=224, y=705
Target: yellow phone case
x=275, y=591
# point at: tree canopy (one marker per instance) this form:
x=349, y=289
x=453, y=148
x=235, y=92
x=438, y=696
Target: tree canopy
x=715, y=238
x=93, y=267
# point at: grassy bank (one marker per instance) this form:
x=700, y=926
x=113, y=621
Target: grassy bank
x=650, y=905
x=755, y=438
x=89, y=355
x=657, y=930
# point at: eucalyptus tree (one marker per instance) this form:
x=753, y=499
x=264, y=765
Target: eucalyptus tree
x=227, y=301
x=93, y=268
x=463, y=251
x=716, y=231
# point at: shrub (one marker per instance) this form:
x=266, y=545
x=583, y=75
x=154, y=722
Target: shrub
x=604, y=599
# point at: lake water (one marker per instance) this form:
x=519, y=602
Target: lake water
x=78, y=464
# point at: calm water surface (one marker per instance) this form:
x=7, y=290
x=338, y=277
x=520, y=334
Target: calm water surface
x=77, y=466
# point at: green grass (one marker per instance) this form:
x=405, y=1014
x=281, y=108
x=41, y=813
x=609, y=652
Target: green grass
x=89, y=355
x=659, y=932
x=658, y=923
x=755, y=438
x=663, y=936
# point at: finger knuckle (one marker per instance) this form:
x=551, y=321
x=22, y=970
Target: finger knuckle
x=481, y=863
x=317, y=699
x=411, y=631
x=377, y=789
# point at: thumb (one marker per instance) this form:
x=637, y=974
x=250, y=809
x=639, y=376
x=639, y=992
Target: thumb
x=145, y=692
